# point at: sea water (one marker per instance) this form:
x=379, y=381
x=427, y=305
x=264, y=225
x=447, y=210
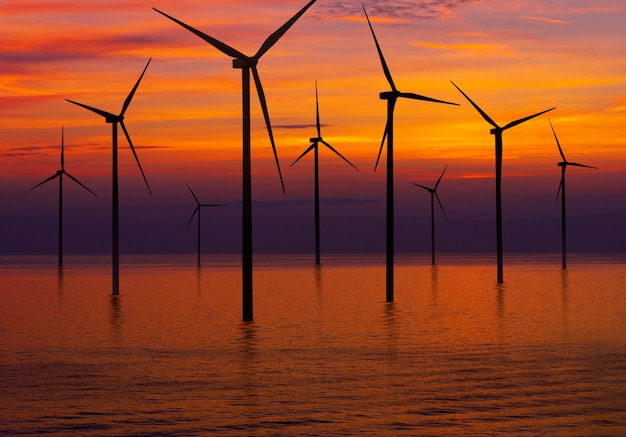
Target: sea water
x=456, y=354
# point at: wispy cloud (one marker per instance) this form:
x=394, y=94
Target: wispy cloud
x=297, y=126
x=396, y=10
x=544, y=19
x=11, y=102
x=72, y=47
x=467, y=47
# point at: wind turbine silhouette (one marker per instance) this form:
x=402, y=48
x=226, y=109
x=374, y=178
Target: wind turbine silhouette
x=563, y=164
x=59, y=174
x=497, y=133
x=315, y=148
x=248, y=64
x=433, y=195
x=391, y=97
x=114, y=120
x=197, y=210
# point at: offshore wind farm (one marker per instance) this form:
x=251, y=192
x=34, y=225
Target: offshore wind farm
x=372, y=337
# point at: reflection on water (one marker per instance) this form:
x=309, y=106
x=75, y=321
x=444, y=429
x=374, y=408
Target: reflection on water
x=454, y=355
x=115, y=309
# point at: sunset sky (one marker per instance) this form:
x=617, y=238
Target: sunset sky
x=513, y=58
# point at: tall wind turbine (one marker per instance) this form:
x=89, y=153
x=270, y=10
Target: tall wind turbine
x=314, y=147
x=197, y=210
x=433, y=195
x=59, y=174
x=114, y=120
x=497, y=133
x=248, y=64
x=391, y=97
x=561, y=191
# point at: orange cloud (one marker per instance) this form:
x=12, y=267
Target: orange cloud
x=545, y=19
x=466, y=47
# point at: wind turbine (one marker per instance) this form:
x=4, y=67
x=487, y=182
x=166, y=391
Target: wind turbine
x=433, y=195
x=197, y=210
x=497, y=133
x=314, y=147
x=59, y=174
x=114, y=120
x=248, y=64
x=391, y=97
x=561, y=191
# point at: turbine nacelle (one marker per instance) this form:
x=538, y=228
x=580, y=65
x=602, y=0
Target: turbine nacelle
x=316, y=140
x=245, y=62
x=388, y=95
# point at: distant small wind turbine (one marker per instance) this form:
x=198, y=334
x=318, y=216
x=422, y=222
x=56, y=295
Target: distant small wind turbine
x=114, y=120
x=314, y=147
x=497, y=132
x=561, y=191
x=60, y=174
x=433, y=195
x=391, y=97
x=248, y=64
x=197, y=211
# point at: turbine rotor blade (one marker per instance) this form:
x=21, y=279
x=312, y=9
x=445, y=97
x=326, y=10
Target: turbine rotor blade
x=192, y=193
x=274, y=37
x=47, y=180
x=192, y=216
x=557, y=141
x=130, y=143
x=311, y=147
x=581, y=165
x=132, y=92
x=428, y=99
x=266, y=115
x=79, y=182
x=62, y=148
x=560, y=185
x=224, y=48
x=317, y=113
x=380, y=53
x=430, y=190
x=480, y=111
x=339, y=154
x=439, y=180
x=105, y=114
x=522, y=120
x=440, y=205
x=380, y=151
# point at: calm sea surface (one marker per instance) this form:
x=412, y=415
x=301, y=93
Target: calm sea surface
x=456, y=354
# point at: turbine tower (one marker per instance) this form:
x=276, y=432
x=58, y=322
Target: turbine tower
x=497, y=133
x=114, y=120
x=197, y=210
x=59, y=174
x=391, y=97
x=315, y=148
x=248, y=64
x=563, y=164
x=433, y=195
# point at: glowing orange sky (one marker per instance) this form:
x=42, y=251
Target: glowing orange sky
x=513, y=58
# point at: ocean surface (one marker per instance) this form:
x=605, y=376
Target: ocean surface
x=456, y=354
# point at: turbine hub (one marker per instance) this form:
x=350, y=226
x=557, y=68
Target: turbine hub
x=388, y=95
x=562, y=164
x=244, y=63
x=315, y=140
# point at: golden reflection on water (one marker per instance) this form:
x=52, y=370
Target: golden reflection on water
x=456, y=354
